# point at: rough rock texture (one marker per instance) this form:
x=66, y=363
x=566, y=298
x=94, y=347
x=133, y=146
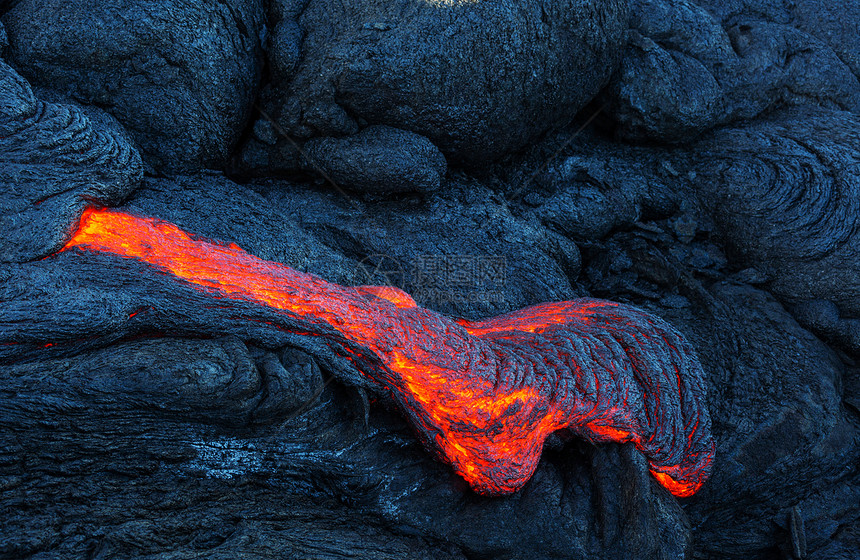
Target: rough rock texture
x=180, y=75
x=4, y=40
x=781, y=194
x=479, y=79
x=252, y=476
x=54, y=160
x=379, y=159
x=781, y=419
x=499, y=73
x=743, y=236
x=824, y=319
x=690, y=66
x=468, y=255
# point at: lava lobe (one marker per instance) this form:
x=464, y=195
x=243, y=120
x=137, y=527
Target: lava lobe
x=483, y=395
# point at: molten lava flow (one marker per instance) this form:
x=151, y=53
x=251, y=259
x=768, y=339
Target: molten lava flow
x=483, y=394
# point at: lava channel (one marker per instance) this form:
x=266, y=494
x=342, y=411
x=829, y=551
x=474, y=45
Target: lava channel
x=482, y=395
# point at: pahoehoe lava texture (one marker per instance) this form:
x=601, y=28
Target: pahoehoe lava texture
x=484, y=395
x=180, y=74
x=784, y=194
x=54, y=160
x=718, y=188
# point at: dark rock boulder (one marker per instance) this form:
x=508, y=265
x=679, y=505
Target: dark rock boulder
x=665, y=86
x=691, y=66
x=180, y=75
x=479, y=79
x=379, y=159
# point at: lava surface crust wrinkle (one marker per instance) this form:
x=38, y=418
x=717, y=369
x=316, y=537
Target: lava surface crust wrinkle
x=484, y=395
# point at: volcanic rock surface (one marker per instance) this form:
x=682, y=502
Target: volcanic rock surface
x=690, y=66
x=179, y=75
x=717, y=189
x=55, y=161
x=478, y=79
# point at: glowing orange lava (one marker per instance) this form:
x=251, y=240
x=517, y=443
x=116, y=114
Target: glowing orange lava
x=483, y=394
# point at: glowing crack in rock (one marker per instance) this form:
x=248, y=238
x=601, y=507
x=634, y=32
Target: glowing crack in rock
x=483, y=395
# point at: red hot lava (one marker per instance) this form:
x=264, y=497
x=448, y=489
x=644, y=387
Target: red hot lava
x=483, y=395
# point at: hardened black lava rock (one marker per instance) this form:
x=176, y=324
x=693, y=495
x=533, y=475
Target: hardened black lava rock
x=124, y=437
x=781, y=194
x=479, y=79
x=181, y=75
x=690, y=66
x=784, y=195
x=4, y=40
x=55, y=159
x=378, y=159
